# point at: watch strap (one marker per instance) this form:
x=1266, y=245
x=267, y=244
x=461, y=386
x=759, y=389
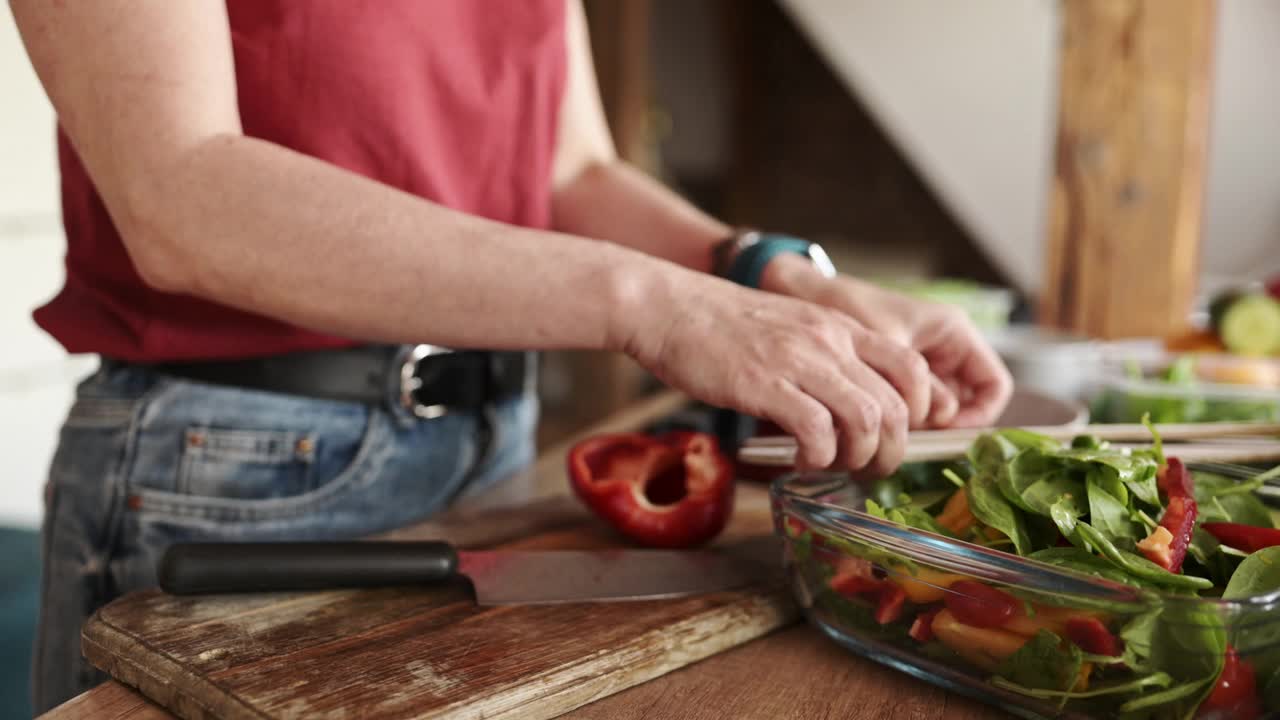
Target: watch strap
x=748, y=267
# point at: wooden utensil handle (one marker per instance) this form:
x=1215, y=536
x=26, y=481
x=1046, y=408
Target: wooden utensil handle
x=198, y=568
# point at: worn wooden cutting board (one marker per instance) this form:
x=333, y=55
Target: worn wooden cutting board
x=426, y=653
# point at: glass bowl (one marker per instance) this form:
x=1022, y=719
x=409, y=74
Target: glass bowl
x=827, y=538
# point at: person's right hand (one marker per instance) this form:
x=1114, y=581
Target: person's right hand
x=847, y=394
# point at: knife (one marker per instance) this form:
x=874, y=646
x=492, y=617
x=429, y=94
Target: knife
x=499, y=577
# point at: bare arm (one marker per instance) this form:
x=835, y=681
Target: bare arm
x=146, y=92
x=600, y=196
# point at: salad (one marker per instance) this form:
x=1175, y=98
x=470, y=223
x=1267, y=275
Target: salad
x=1174, y=539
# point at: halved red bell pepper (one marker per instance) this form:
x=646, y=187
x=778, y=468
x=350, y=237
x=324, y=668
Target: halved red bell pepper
x=672, y=491
x=1179, y=517
x=1249, y=538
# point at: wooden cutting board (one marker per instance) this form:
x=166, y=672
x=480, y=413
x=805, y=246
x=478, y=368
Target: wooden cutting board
x=425, y=653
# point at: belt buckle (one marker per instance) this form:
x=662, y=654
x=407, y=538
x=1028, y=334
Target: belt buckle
x=410, y=382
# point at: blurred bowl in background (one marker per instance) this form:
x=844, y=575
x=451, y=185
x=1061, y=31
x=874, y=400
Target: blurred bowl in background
x=1056, y=364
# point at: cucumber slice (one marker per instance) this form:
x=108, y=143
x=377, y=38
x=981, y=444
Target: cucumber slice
x=1251, y=325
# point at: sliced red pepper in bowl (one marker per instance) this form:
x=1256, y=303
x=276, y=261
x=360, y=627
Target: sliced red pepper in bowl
x=1235, y=695
x=1178, y=521
x=979, y=605
x=1249, y=538
x=857, y=577
x=1090, y=635
x=671, y=491
x=922, y=627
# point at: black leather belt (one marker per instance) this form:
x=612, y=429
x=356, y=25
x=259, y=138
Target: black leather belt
x=424, y=379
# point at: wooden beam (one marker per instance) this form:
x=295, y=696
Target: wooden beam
x=620, y=47
x=1128, y=193
x=603, y=382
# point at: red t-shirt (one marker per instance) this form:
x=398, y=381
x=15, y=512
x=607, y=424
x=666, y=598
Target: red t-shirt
x=453, y=100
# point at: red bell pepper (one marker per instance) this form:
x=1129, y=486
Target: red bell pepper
x=1091, y=636
x=922, y=627
x=671, y=491
x=1179, y=517
x=1249, y=538
x=979, y=605
x=1235, y=696
x=856, y=577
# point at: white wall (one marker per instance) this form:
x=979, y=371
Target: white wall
x=985, y=147
x=36, y=376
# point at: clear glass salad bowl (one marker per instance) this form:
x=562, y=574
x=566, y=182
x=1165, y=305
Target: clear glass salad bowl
x=1185, y=635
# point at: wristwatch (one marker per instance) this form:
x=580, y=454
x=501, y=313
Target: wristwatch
x=742, y=256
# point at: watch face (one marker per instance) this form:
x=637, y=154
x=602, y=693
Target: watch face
x=822, y=260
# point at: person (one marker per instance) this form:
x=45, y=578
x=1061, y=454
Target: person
x=315, y=244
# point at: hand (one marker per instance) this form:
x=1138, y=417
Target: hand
x=970, y=386
x=844, y=392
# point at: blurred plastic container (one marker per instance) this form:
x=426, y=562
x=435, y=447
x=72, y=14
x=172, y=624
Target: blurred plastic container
x=1188, y=388
x=989, y=307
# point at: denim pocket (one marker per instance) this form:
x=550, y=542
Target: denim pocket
x=246, y=464
x=231, y=455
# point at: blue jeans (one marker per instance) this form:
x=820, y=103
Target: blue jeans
x=146, y=460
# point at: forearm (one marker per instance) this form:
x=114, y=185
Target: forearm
x=610, y=200
x=253, y=225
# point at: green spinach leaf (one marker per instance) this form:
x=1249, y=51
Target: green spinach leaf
x=1045, y=662
x=1158, y=680
x=1137, y=636
x=918, y=519
x=1064, y=513
x=989, y=506
x=1215, y=506
x=1258, y=574
x=1034, y=481
x=1138, y=566
x=1107, y=513
x=1082, y=561
x=1271, y=690
x=1189, y=642
x=1164, y=697
x=1157, y=442
x=992, y=450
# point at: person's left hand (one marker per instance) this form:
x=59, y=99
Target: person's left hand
x=971, y=386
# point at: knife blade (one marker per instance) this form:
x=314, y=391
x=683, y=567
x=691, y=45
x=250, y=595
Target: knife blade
x=499, y=577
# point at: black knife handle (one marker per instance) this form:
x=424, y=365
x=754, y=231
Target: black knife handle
x=195, y=568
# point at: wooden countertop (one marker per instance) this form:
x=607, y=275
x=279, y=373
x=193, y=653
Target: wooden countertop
x=792, y=673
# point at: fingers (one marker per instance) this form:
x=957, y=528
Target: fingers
x=856, y=414
x=904, y=368
x=959, y=355
x=988, y=382
x=943, y=404
x=892, y=429
x=807, y=420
